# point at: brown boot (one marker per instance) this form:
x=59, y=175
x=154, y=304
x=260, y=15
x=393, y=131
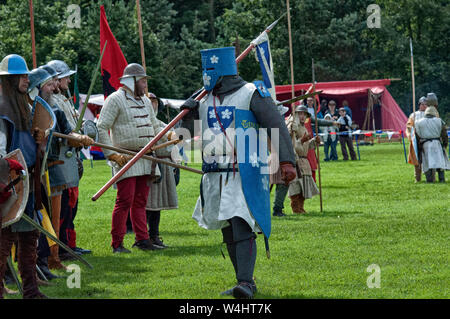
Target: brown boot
x=302, y=204
x=26, y=254
x=53, y=260
x=295, y=204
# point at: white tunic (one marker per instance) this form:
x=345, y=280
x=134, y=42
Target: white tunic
x=65, y=105
x=433, y=154
x=223, y=199
x=128, y=123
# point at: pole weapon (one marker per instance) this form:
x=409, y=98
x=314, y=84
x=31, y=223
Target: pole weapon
x=317, y=134
x=183, y=113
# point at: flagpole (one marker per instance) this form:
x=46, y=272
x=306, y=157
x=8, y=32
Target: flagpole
x=33, y=41
x=317, y=134
x=291, y=55
x=169, y=126
x=141, y=38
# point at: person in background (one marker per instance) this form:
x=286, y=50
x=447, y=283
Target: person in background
x=329, y=140
x=348, y=110
x=345, y=138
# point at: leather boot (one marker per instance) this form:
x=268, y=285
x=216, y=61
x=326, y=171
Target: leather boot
x=302, y=204
x=53, y=260
x=42, y=263
x=27, y=264
x=297, y=204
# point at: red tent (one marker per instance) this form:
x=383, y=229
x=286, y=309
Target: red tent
x=387, y=114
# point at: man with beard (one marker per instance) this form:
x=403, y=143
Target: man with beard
x=127, y=120
x=62, y=165
x=16, y=133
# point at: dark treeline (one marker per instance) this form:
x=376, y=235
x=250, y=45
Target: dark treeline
x=333, y=32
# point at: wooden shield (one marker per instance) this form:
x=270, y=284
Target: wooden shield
x=12, y=210
x=43, y=116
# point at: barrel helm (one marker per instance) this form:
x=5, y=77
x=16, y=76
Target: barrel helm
x=13, y=64
x=62, y=68
x=217, y=63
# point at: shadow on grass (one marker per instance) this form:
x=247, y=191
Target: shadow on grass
x=317, y=214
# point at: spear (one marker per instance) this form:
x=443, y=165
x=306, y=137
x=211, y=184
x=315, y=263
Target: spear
x=94, y=77
x=33, y=41
x=183, y=113
x=141, y=38
x=317, y=134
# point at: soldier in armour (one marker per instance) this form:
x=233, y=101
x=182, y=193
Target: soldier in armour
x=222, y=203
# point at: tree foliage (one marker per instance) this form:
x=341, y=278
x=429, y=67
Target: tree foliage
x=333, y=32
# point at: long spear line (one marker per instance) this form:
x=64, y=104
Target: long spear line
x=170, y=125
x=141, y=38
x=125, y=151
x=33, y=41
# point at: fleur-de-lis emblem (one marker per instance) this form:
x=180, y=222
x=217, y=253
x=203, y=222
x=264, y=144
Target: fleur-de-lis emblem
x=214, y=59
x=226, y=114
x=216, y=125
x=206, y=79
x=212, y=114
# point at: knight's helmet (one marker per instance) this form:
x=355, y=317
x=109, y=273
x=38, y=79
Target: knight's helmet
x=13, y=64
x=38, y=77
x=217, y=63
x=132, y=73
x=62, y=68
x=50, y=70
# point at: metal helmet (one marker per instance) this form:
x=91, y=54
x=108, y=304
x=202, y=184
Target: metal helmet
x=50, y=70
x=62, y=68
x=422, y=100
x=302, y=108
x=432, y=99
x=216, y=63
x=133, y=69
x=13, y=64
x=38, y=77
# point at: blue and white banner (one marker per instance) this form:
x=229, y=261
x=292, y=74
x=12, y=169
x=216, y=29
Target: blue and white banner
x=263, y=55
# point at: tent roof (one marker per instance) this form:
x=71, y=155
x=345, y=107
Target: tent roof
x=338, y=88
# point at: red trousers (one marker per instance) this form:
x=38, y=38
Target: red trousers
x=132, y=194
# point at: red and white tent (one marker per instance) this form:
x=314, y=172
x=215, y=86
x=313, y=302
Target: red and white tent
x=388, y=117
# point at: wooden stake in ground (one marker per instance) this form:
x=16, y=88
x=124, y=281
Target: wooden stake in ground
x=33, y=41
x=317, y=134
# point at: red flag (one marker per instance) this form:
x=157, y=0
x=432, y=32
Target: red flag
x=113, y=62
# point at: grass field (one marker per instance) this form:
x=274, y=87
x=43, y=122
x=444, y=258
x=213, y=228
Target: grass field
x=373, y=213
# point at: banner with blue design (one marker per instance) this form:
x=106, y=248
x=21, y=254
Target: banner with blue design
x=251, y=154
x=264, y=57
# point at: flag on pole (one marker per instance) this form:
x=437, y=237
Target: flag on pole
x=263, y=55
x=113, y=62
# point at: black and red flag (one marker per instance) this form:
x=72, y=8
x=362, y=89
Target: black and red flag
x=113, y=62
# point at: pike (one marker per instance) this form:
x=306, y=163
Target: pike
x=147, y=157
x=300, y=97
x=317, y=134
x=94, y=77
x=182, y=114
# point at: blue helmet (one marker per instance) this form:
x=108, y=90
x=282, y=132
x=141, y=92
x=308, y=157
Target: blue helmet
x=13, y=64
x=216, y=63
x=37, y=77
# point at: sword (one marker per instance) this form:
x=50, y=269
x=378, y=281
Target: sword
x=14, y=274
x=56, y=240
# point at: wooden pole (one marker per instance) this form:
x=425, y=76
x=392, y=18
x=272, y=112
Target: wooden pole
x=413, y=80
x=141, y=38
x=33, y=40
x=291, y=55
x=317, y=134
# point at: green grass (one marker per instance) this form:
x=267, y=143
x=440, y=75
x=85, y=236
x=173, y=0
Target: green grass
x=373, y=213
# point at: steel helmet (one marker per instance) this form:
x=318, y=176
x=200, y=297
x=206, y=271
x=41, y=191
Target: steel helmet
x=13, y=64
x=217, y=63
x=133, y=69
x=432, y=99
x=62, y=68
x=302, y=108
x=38, y=77
x=50, y=70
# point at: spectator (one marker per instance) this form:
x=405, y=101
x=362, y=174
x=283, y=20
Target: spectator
x=332, y=110
x=330, y=140
x=348, y=111
x=345, y=138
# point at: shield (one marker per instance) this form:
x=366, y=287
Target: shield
x=44, y=119
x=251, y=155
x=90, y=129
x=225, y=114
x=12, y=210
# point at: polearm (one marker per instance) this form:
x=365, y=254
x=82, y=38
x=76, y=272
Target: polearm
x=94, y=77
x=147, y=157
x=413, y=81
x=141, y=38
x=33, y=41
x=291, y=55
x=183, y=113
x=317, y=134
x=300, y=97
